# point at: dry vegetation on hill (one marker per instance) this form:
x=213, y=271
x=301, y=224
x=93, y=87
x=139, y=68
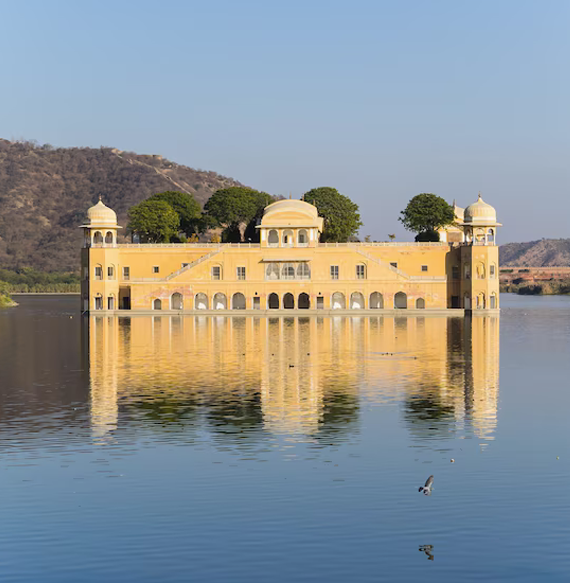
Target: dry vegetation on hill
x=44, y=193
x=543, y=253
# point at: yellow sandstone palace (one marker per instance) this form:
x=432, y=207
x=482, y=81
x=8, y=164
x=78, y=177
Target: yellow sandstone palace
x=291, y=270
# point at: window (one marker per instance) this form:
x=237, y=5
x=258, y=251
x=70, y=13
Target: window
x=216, y=272
x=493, y=303
x=98, y=303
x=240, y=273
x=334, y=271
x=110, y=272
x=111, y=303
x=272, y=271
x=288, y=271
x=156, y=269
x=126, y=273
x=455, y=272
x=303, y=271
x=361, y=272
x=467, y=272
x=492, y=271
x=394, y=264
x=424, y=267
x=85, y=273
x=98, y=272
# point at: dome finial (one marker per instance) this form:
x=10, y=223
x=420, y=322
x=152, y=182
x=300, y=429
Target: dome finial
x=100, y=198
x=480, y=197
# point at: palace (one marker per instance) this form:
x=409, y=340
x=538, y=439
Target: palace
x=291, y=270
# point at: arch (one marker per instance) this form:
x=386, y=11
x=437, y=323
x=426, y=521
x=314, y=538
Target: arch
x=157, y=304
x=302, y=237
x=493, y=301
x=238, y=301
x=289, y=301
x=376, y=301
x=109, y=238
x=272, y=271
x=304, y=301
x=420, y=304
x=273, y=301
x=467, y=301
x=356, y=301
x=288, y=238
x=220, y=301
x=201, y=301
x=401, y=301
x=491, y=236
x=273, y=238
x=481, y=301
x=176, y=301
x=480, y=270
x=303, y=271
x=338, y=301
x=111, y=271
x=288, y=271
x=97, y=238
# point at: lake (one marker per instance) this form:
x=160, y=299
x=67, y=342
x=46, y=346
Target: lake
x=254, y=449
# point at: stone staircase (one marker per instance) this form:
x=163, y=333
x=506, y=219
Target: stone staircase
x=194, y=263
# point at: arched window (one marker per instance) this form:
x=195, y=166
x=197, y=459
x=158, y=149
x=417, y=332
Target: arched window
x=480, y=270
x=272, y=271
x=357, y=301
x=338, y=301
x=467, y=301
x=491, y=237
x=376, y=301
x=273, y=301
x=401, y=301
x=493, y=301
x=238, y=301
x=466, y=271
x=288, y=238
x=492, y=271
x=302, y=238
x=201, y=302
x=97, y=238
x=288, y=271
x=220, y=302
x=109, y=238
x=273, y=238
x=157, y=305
x=289, y=301
x=176, y=301
x=304, y=301
x=303, y=271
x=111, y=302
x=481, y=301
x=110, y=272
x=420, y=304
x=99, y=272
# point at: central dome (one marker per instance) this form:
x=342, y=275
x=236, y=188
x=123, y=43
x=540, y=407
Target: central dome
x=480, y=213
x=290, y=212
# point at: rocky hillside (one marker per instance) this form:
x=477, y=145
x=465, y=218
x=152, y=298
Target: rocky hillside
x=44, y=193
x=543, y=253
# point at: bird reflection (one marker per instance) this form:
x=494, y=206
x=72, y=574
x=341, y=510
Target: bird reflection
x=427, y=549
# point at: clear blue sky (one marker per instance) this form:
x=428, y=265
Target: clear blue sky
x=381, y=99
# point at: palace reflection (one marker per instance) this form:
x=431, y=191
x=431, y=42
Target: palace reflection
x=307, y=376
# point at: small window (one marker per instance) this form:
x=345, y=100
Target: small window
x=85, y=273
x=492, y=271
x=424, y=267
x=216, y=272
x=360, y=272
x=394, y=264
x=156, y=269
x=126, y=273
x=240, y=273
x=110, y=273
x=110, y=303
x=334, y=271
x=98, y=303
x=98, y=272
x=455, y=272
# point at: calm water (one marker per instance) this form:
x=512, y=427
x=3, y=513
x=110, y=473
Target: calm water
x=255, y=449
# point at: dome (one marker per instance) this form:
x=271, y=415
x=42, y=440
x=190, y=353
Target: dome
x=290, y=205
x=294, y=213
x=100, y=215
x=480, y=213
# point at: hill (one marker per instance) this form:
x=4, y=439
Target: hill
x=543, y=253
x=44, y=193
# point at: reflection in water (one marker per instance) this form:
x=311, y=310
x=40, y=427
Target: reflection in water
x=428, y=550
x=293, y=376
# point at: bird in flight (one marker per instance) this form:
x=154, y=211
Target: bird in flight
x=426, y=488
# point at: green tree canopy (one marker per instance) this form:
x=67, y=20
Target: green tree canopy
x=155, y=221
x=425, y=214
x=342, y=219
x=234, y=207
x=186, y=207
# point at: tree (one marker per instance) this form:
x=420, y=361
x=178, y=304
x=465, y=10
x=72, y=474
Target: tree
x=155, y=221
x=234, y=207
x=391, y=236
x=425, y=214
x=185, y=206
x=341, y=217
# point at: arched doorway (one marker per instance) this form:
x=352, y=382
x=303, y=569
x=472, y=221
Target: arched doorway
x=238, y=301
x=356, y=301
x=201, y=302
x=401, y=301
x=304, y=301
x=481, y=301
x=288, y=239
x=273, y=302
x=376, y=301
x=467, y=302
x=338, y=301
x=176, y=301
x=289, y=301
x=157, y=305
x=220, y=302
x=273, y=238
x=420, y=304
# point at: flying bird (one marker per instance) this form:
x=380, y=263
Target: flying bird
x=426, y=488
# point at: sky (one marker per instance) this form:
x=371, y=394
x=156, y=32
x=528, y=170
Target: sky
x=379, y=99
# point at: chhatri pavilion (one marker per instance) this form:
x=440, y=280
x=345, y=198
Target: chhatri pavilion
x=290, y=269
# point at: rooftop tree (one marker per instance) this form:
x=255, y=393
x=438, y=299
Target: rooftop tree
x=425, y=214
x=154, y=221
x=186, y=207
